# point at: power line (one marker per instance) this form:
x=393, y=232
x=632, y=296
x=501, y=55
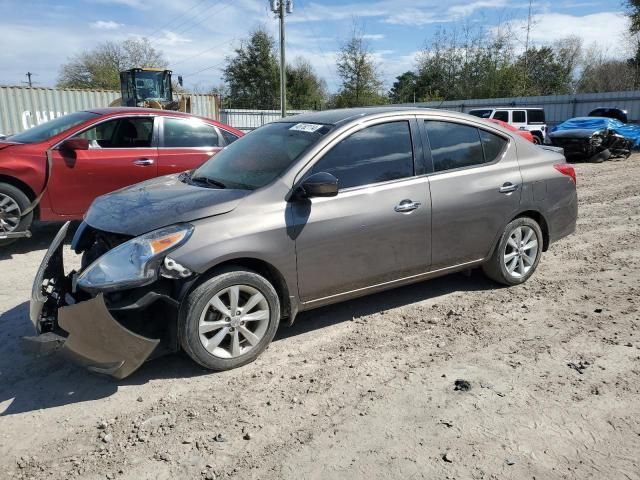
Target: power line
x=203, y=52
x=204, y=69
x=159, y=29
x=202, y=20
x=318, y=46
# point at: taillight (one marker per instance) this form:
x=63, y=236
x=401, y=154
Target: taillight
x=566, y=169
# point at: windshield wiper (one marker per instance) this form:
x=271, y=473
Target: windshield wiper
x=209, y=181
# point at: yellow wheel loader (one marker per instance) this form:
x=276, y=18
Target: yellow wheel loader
x=150, y=88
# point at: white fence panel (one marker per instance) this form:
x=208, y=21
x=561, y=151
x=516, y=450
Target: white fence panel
x=248, y=120
x=558, y=108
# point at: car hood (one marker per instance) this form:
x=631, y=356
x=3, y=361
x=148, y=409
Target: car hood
x=5, y=144
x=157, y=203
x=577, y=133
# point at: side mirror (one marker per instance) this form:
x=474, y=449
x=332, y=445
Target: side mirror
x=321, y=184
x=74, y=144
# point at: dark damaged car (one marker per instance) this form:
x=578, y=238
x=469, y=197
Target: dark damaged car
x=300, y=213
x=595, y=139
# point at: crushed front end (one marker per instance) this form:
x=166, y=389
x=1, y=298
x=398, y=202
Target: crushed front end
x=591, y=145
x=112, y=323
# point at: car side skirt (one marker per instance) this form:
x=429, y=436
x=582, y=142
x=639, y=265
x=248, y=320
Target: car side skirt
x=360, y=292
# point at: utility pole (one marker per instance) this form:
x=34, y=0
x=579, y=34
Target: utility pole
x=29, y=82
x=281, y=8
x=526, y=49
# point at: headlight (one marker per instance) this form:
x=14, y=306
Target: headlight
x=597, y=139
x=134, y=263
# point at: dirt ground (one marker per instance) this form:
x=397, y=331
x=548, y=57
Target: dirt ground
x=365, y=389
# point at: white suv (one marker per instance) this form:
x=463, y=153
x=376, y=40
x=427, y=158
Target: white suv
x=531, y=119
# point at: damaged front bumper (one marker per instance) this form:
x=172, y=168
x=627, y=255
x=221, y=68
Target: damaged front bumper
x=94, y=337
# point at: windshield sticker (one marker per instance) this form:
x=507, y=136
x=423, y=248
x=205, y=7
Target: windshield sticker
x=306, y=127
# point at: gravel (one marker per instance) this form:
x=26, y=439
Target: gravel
x=559, y=380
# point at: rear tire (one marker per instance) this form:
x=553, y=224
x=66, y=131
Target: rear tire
x=13, y=202
x=219, y=338
x=517, y=254
x=537, y=139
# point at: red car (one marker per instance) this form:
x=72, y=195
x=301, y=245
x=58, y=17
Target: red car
x=58, y=168
x=523, y=133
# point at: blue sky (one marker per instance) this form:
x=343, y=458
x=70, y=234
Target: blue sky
x=196, y=35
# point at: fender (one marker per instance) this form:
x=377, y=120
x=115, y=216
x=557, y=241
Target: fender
x=47, y=176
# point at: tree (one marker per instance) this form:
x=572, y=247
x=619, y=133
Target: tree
x=305, y=90
x=467, y=63
x=99, y=68
x=602, y=74
x=542, y=71
x=360, y=81
x=634, y=15
x=404, y=88
x=252, y=75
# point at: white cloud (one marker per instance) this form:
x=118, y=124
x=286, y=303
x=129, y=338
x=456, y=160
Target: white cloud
x=105, y=25
x=373, y=36
x=411, y=15
x=414, y=16
x=171, y=39
x=467, y=9
x=605, y=29
x=140, y=4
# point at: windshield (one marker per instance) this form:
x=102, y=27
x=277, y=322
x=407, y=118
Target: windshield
x=152, y=86
x=256, y=159
x=52, y=128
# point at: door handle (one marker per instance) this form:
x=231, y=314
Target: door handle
x=508, y=187
x=144, y=162
x=406, y=206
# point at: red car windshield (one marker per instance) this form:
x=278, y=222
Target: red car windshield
x=52, y=128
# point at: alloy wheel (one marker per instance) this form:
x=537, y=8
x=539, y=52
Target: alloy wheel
x=521, y=251
x=234, y=321
x=10, y=213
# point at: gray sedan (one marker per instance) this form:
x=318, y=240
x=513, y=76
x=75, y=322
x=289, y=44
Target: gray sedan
x=303, y=212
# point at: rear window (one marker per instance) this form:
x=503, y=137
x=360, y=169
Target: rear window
x=536, y=116
x=481, y=113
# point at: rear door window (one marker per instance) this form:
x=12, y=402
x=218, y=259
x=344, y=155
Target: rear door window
x=121, y=133
x=453, y=145
x=501, y=115
x=374, y=154
x=519, y=116
x=186, y=133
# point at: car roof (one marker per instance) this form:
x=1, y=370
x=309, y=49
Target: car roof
x=114, y=111
x=506, y=108
x=344, y=115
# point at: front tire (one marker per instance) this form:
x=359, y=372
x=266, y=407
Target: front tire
x=518, y=253
x=229, y=320
x=13, y=202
